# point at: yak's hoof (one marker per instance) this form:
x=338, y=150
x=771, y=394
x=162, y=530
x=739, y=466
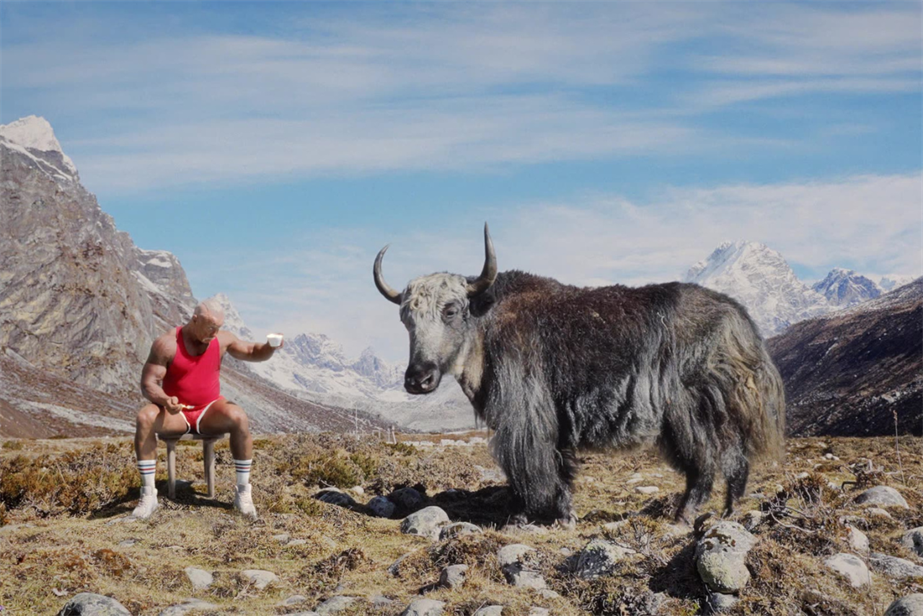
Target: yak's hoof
x=568, y=522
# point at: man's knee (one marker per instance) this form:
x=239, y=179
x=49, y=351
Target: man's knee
x=238, y=418
x=147, y=416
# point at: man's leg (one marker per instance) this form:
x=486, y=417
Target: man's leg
x=151, y=421
x=224, y=416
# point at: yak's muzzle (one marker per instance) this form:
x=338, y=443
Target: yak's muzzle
x=422, y=378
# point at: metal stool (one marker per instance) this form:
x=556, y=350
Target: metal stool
x=208, y=447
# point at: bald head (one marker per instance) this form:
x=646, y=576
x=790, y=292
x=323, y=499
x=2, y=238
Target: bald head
x=210, y=307
x=207, y=319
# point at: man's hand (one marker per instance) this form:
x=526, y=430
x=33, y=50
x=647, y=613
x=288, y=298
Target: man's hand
x=172, y=405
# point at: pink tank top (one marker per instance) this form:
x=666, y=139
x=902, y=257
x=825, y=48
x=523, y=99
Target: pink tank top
x=194, y=378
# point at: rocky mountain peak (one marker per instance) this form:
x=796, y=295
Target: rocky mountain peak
x=843, y=287
x=35, y=134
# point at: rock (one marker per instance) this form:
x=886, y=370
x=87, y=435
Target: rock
x=882, y=495
x=424, y=607
x=334, y=605
x=294, y=600
x=189, y=605
x=296, y=542
x=425, y=522
x=380, y=601
x=636, y=478
x=453, y=576
x=513, y=554
x=539, y=611
x=357, y=490
x=127, y=543
x=525, y=579
x=752, y=519
x=851, y=567
x=381, y=507
x=282, y=538
x=523, y=529
x=91, y=604
x=490, y=610
x=911, y=605
x=913, y=540
x=894, y=567
x=259, y=578
x=406, y=499
x=647, y=489
x=599, y=558
x=548, y=594
x=332, y=496
x=718, y=602
x=200, y=578
x=721, y=555
x=857, y=540
x=395, y=568
x=458, y=529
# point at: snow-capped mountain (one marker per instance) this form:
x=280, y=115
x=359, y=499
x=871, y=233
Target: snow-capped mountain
x=892, y=282
x=844, y=287
x=760, y=279
x=34, y=138
x=315, y=367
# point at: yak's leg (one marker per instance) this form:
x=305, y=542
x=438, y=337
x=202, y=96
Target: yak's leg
x=736, y=472
x=688, y=452
x=699, y=483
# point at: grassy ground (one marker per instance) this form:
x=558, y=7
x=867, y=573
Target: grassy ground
x=62, y=505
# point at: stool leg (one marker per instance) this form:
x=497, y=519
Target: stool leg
x=171, y=469
x=209, y=457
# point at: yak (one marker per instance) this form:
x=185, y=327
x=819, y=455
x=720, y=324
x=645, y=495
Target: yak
x=554, y=369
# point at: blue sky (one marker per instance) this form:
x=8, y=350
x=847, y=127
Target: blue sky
x=274, y=148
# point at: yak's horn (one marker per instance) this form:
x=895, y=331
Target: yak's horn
x=389, y=293
x=489, y=273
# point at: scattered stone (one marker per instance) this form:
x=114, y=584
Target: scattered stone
x=189, y=605
x=127, y=543
x=721, y=556
x=453, y=576
x=425, y=522
x=857, y=540
x=718, y=602
x=357, y=490
x=636, y=478
x=424, y=607
x=333, y=496
x=882, y=495
x=802, y=475
x=752, y=519
x=200, y=578
x=334, y=605
x=913, y=540
x=395, y=568
x=477, y=440
x=548, y=594
x=490, y=610
x=513, y=554
x=894, y=567
x=599, y=558
x=282, y=538
x=381, y=507
x=406, y=499
x=458, y=529
x=511, y=563
x=523, y=529
x=911, y=605
x=647, y=489
x=878, y=512
x=293, y=600
x=379, y=600
x=296, y=542
x=259, y=578
x=91, y=604
x=851, y=567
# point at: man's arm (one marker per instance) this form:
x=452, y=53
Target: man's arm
x=246, y=351
x=155, y=369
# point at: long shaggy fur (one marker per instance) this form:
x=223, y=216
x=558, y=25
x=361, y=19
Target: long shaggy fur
x=675, y=364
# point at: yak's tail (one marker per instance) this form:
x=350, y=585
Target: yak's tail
x=755, y=393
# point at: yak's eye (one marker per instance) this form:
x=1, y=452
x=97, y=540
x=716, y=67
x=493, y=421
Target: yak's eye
x=450, y=311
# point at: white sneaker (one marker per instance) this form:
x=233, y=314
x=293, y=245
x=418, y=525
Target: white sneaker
x=243, y=502
x=147, y=504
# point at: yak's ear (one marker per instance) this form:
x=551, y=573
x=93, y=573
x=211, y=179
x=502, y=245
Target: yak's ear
x=481, y=304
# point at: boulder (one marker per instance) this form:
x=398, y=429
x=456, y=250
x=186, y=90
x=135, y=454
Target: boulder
x=259, y=578
x=851, y=567
x=333, y=496
x=911, y=605
x=913, y=539
x=458, y=529
x=334, y=605
x=884, y=496
x=599, y=558
x=453, y=576
x=857, y=540
x=426, y=522
x=490, y=610
x=512, y=562
x=199, y=578
x=721, y=555
x=189, y=605
x=91, y=604
x=894, y=567
x=381, y=507
x=406, y=499
x=424, y=607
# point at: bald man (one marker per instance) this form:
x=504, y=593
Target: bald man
x=180, y=378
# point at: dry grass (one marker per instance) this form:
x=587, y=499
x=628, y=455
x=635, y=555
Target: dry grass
x=59, y=499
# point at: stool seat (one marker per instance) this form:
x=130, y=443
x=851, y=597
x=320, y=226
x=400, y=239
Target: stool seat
x=208, y=447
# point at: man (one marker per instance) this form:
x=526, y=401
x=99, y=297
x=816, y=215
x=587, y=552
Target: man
x=181, y=379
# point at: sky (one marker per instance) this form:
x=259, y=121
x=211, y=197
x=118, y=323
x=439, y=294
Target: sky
x=274, y=148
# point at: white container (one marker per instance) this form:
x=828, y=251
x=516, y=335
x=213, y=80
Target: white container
x=274, y=340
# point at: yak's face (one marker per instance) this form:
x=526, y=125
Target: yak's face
x=434, y=309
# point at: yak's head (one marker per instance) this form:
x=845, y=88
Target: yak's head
x=435, y=311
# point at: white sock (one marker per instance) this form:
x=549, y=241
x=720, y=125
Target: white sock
x=243, y=471
x=147, y=468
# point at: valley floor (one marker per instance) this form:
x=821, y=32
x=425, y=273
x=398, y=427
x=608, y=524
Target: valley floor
x=64, y=529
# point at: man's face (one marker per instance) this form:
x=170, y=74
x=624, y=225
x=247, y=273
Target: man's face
x=206, y=327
